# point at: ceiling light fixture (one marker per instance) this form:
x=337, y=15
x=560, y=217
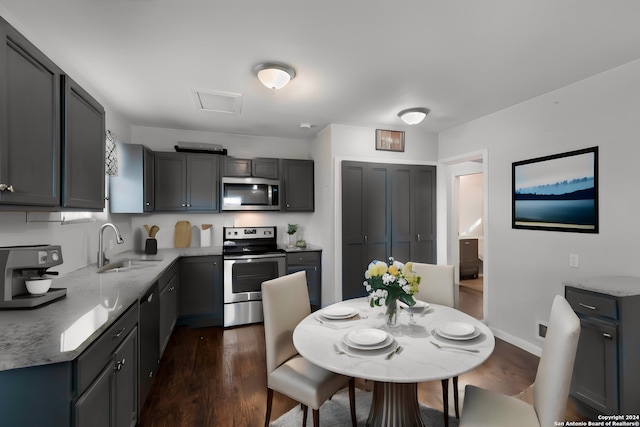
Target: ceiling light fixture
x=413, y=116
x=274, y=75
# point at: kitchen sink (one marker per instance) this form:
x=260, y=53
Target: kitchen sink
x=128, y=264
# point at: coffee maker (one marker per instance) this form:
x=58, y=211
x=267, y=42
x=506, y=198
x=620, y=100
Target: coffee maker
x=18, y=263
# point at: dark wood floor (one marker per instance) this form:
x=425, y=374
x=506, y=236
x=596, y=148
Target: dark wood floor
x=216, y=377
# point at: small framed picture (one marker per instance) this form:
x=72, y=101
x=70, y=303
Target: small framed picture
x=389, y=140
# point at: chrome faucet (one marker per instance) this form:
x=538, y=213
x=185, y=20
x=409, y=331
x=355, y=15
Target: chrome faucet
x=102, y=260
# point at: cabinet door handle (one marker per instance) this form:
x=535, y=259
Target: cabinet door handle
x=119, y=333
x=119, y=364
x=418, y=236
x=590, y=307
x=5, y=187
x=366, y=240
x=606, y=335
x=184, y=205
x=150, y=298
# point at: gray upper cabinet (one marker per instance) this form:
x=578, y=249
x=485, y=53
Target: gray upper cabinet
x=52, y=133
x=131, y=190
x=186, y=182
x=29, y=123
x=83, y=148
x=298, y=185
x=259, y=167
x=387, y=210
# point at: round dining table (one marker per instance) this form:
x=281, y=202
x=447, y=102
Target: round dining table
x=352, y=338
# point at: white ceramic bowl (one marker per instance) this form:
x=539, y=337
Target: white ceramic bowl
x=38, y=285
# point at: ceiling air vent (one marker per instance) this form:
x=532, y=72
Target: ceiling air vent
x=222, y=102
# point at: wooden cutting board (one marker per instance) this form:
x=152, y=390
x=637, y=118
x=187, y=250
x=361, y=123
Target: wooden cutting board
x=182, y=235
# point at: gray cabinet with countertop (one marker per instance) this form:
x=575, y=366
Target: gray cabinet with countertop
x=309, y=261
x=106, y=377
x=201, y=294
x=606, y=371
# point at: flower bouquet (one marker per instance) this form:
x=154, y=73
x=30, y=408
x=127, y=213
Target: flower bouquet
x=386, y=284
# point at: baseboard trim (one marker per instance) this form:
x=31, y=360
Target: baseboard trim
x=518, y=342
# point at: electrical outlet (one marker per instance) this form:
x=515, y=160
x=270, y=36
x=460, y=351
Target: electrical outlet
x=541, y=330
x=574, y=260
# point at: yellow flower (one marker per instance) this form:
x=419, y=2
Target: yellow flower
x=393, y=271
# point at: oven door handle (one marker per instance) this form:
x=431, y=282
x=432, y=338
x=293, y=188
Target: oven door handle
x=256, y=256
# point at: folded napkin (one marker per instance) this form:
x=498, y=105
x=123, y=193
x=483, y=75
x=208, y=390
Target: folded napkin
x=336, y=324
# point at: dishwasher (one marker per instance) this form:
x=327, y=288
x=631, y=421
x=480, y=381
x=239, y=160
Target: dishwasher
x=149, y=338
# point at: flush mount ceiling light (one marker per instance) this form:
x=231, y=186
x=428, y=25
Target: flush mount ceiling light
x=274, y=75
x=413, y=116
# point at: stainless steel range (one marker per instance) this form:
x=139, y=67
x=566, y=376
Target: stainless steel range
x=251, y=256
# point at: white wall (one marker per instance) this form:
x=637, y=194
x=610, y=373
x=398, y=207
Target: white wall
x=528, y=267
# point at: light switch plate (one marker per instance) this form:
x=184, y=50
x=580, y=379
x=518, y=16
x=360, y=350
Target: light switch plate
x=574, y=260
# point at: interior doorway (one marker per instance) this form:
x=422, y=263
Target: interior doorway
x=467, y=223
x=471, y=230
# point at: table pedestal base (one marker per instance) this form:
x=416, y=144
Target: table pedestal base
x=395, y=405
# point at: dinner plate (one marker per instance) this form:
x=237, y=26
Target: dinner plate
x=457, y=331
x=340, y=312
x=367, y=336
x=418, y=307
x=387, y=342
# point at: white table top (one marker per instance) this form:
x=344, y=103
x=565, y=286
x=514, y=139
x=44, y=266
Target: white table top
x=419, y=360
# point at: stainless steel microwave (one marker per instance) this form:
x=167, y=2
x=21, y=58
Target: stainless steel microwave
x=250, y=194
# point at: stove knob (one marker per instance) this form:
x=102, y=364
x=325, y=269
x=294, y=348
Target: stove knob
x=55, y=256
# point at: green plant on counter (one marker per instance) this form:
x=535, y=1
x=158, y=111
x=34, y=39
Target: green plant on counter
x=292, y=228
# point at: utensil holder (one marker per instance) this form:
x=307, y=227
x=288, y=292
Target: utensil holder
x=151, y=247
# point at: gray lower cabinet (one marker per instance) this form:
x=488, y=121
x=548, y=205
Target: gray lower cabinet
x=311, y=263
x=169, y=290
x=387, y=210
x=606, y=369
x=201, y=293
x=298, y=185
x=29, y=123
x=186, y=182
x=106, y=377
x=131, y=190
x=83, y=148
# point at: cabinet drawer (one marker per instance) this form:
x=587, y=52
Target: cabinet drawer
x=167, y=276
x=93, y=359
x=592, y=303
x=303, y=258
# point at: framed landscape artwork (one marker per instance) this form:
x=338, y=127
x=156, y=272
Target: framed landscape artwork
x=558, y=192
x=389, y=140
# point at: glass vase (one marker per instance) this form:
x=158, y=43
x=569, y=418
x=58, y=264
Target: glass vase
x=392, y=313
x=292, y=240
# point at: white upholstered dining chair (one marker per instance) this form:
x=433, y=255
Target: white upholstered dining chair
x=285, y=302
x=437, y=285
x=485, y=408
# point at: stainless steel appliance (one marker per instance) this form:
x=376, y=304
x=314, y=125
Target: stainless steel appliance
x=250, y=256
x=250, y=194
x=18, y=263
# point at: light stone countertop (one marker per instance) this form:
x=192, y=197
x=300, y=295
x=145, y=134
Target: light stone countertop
x=619, y=286
x=60, y=331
